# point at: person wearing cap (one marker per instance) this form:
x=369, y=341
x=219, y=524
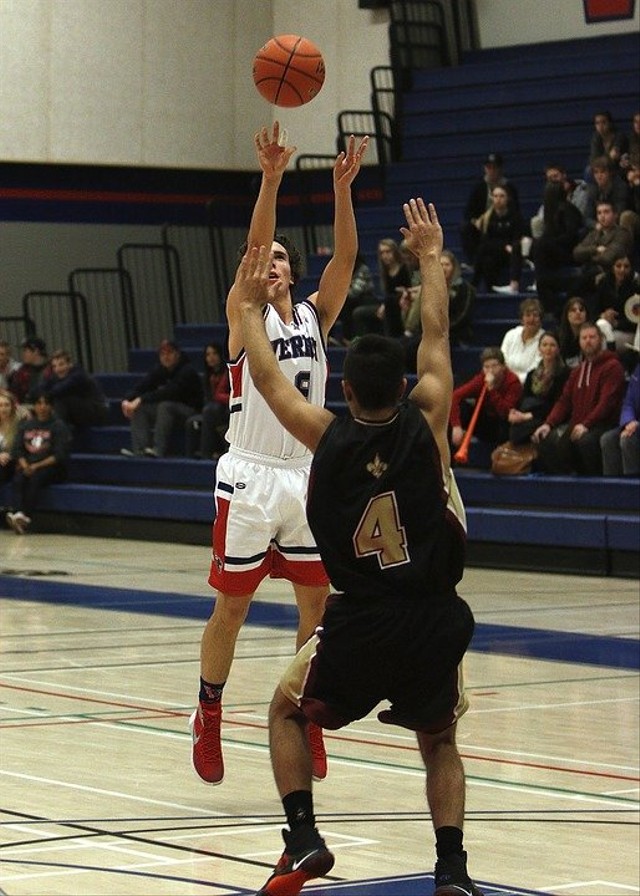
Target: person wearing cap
x=33, y=372
x=479, y=202
x=162, y=402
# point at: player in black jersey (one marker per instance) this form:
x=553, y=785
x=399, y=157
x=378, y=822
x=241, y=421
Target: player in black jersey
x=385, y=511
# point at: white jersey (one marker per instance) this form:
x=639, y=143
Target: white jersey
x=300, y=352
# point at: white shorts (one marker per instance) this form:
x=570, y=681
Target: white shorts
x=261, y=527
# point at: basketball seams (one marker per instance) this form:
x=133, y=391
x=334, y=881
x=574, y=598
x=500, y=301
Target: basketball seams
x=289, y=70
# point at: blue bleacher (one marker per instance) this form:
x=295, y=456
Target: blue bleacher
x=534, y=104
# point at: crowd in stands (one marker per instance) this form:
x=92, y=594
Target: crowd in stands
x=557, y=380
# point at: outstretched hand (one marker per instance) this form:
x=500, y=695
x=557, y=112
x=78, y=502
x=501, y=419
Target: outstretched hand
x=252, y=277
x=423, y=233
x=272, y=150
x=348, y=163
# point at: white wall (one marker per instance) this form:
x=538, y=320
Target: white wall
x=507, y=22
x=168, y=82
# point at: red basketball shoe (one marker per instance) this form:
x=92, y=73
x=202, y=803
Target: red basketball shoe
x=206, y=753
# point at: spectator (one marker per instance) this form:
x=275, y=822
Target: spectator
x=597, y=251
x=206, y=431
x=633, y=144
x=33, y=372
x=8, y=365
x=573, y=315
x=40, y=452
x=606, y=187
x=361, y=293
x=520, y=345
x=612, y=292
x=576, y=192
x=606, y=141
x=501, y=230
x=395, y=277
x=462, y=296
x=77, y=398
x=9, y=423
x=542, y=388
x=621, y=446
x=552, y=251
x=162, y=401
x=630, y=218
x=480, y=201
x=569, y=439
x=503, y=393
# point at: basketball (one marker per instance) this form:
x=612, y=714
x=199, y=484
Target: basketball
x=288, y=70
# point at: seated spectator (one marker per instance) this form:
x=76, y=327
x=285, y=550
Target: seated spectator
x=361, y=292
x=633, y=143
x=499, y=249
x=573, y=315
x=395, y=277
x=569, y=438
x=597, y=251
x=612, y=292
x=8, y=365
x=9, y=423
x=479, y=202
x=462, y=297
x=503, y=392
x=32, y=372
x=76, y=397
x=621, y=446
x=542, y=388
x=520, y=345
x=607, y=186
x=552, y=251
x=41, y=453
x=606, y=140
x=576, y=192
x=630, y=219
x=162, y=402
x=206, y=431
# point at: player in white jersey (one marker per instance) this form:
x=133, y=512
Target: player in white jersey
x=260, y=527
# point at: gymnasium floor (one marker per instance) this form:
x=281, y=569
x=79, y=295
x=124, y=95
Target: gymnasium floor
x=100, y=642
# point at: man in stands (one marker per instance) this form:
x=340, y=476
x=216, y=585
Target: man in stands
x=569, y=439
x=598, y=250
x=161, y=402
x=480, y=200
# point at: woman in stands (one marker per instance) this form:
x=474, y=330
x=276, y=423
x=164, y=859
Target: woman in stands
x=501, y=227
x=41, y=452
x=572, y=316
x=542, y=388
x=395, y=277
x=206, y=431
x=9, y=420
x=612, y=292
x=552, y=251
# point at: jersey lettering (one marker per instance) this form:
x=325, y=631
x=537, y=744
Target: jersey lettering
x=302, y=382
x=298, y=346
x=380, y=532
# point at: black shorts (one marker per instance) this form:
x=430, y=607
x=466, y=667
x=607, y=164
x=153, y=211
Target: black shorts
x=369, y=651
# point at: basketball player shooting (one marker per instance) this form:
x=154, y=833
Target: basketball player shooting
x=266, y=469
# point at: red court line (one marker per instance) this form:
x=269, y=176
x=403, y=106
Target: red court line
x=341, y=738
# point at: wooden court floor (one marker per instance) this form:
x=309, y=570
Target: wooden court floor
x=99, y=674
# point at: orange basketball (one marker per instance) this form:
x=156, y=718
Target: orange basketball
x=288, y=70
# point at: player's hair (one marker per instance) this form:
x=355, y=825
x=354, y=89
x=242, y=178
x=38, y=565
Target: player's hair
x=295, y=258
x=374, y=368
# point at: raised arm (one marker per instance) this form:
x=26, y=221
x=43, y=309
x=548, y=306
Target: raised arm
x=305, y=421
x=434, y=388
x=273, y=157
x=336, y=277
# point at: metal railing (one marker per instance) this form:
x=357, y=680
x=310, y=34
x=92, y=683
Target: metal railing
x=60, y=318
x=111, y=314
